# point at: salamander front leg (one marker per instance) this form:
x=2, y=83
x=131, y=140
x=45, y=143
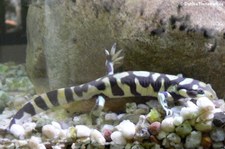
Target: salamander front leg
x=163, y=98
x=113, y=58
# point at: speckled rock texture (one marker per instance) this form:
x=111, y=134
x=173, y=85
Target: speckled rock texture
x=66, y=39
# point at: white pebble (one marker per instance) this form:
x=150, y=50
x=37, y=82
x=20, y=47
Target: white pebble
x=107, y=127
x=34, y=142
x=41, y=146
x=82, y=131
x=63, y=134
x=120, y=116
x=20, y=143
x=189, y=113
x=190, y=104
x=111, y=117
x=97, y=137
x=18, y=131
x=127, y=128
x=29, y=127
x=193, y=140
x=50, y=131
x=178, y=120
x=56, y=125
x=118, y=138
x=167, y=124
x=205, y=116
x=218, y=103
x=205, y=104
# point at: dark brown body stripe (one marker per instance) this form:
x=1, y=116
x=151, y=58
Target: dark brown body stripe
x=116, y=90
x=100, y=85
x=39, y=101
x=27, y=108
x=129, y=80
x=78, y=91
x=52, y=96
x=69, y=95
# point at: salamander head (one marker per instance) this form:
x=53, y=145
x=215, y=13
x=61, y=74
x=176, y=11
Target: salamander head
x=196, y=89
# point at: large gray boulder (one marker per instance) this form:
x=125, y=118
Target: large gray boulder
x=66, y=39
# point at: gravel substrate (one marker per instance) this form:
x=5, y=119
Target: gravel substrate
x=194, y=124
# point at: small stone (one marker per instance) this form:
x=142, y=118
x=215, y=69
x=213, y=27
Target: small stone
x=143, y=106
x=203, y=126
x=97, y=137
x=152, y=104
x=137, y=146
x=83, y=119
x=107, y=133
x=154, y=116
x=34, y=142
x=132, y=117
x=111, y=117
x=140, y=111
x=193, y=140
x=206, y=142
x=21, y=143
x=82, y=131
x=72, y=133
x=118, y=138
x=131, y=107
x=107, y=127
x=18, y=131
x=205, y=116
x=217, y=134
x=178, y=120
x=173, y=139
x=154, y=128
x=167, y=124
x=50, y=131
x=127, y=128
x=161, y=135
x=205, y=104
x=63, y=133
x=154, y=139
x=217, y=145
x=218, y=103
x=166, y=143
x=189, y=113
x=56, y=125
x=120, y=116
x=219, y=119
x=29, y=127
x=184, y=129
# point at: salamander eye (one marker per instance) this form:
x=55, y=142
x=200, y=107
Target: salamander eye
x=200, y=91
